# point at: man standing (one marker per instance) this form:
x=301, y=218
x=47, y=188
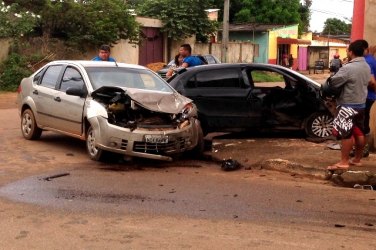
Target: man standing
x=353, y=78
x=185, y=51
x=371, y=96
x=104, y=54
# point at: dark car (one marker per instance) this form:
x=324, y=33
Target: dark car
x=233, y=97
x=206, y=59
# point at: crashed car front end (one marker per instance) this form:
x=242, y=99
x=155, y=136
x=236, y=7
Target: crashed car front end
x=142, y=123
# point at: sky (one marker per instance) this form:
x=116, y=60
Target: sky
x=324, y=9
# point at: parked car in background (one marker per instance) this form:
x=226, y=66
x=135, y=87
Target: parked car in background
x=206, y=59
x=233, y=97
x=119, y=108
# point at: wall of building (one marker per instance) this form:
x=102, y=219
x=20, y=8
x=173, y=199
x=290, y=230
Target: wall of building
x=258, y=38
x=285, y=32
x=370, y=21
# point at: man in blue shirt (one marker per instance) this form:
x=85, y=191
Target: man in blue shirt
x=185, y=50
x=104, y=54
x=371, y=96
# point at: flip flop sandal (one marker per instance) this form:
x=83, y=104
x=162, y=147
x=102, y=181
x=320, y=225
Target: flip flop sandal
x=357, y=164
x=337, y=167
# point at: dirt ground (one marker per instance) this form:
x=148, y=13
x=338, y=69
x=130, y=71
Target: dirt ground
x=284, y=211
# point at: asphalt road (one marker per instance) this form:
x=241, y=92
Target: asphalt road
x=148, y=204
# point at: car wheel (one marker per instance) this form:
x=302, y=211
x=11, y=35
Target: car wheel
x=94, y=152
x=319, y=125
x=198, y=151
x=29, y=127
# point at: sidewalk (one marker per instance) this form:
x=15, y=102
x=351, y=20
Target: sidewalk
x=291, y=155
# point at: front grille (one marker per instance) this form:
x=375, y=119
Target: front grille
x=160, y=148
x=124, y=144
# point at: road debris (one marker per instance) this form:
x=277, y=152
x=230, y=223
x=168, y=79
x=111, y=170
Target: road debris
x=230, y=165
x=49, y=178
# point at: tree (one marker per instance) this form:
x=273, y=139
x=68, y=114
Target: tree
x=92, y=22
x=182, y=18
x=305, y=16
x=14, y=22
x=269, y=11
x=335, y=26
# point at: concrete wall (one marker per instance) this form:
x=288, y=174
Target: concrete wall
x=370, y=22
x=260, y=38
x=4, y=48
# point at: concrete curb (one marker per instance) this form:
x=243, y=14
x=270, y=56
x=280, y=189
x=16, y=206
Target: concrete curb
x=349, y=178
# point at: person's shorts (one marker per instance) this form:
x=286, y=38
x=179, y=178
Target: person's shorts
x=358, y=121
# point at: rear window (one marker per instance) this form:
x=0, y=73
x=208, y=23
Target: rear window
x=125, y=77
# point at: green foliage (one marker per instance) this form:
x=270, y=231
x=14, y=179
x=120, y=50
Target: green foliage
x=12, y=71
x=15, y=22
x=269, y=11
x=305, y=16
x=334, y=26
x=92, y=22
x=182, y=18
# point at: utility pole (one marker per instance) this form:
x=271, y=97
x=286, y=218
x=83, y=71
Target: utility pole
x=226, y=11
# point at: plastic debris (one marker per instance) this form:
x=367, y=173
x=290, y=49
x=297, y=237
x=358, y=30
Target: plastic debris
x=230, y=165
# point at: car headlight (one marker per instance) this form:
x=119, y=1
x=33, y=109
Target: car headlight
x=188, y=111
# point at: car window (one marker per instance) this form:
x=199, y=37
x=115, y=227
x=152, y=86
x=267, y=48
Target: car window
x=210, y=59
x=71, y=78
x=37, y=77
x=221, y=78
x=265, y=78
x=126, y=77
x=51, y=76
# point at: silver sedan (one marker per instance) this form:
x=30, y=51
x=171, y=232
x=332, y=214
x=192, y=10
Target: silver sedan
x=119, y=108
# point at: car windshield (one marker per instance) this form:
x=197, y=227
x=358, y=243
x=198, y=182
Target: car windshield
x=126, y=77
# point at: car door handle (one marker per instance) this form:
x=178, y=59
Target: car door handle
x=35, y=92
x=58, y=99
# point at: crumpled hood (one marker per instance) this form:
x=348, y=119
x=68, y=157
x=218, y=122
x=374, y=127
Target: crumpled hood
x=171, y=103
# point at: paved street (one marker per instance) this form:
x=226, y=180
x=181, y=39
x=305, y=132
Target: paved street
x=148, y=204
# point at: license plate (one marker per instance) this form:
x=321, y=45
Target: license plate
x=156, y=138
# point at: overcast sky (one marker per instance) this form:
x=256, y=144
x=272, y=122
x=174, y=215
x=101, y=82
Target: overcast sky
x=324, y=9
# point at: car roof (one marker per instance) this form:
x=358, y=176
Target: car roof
x=242, y=65
x=89, y=63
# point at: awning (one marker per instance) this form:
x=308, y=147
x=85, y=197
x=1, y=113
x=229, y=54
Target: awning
x=281, y=40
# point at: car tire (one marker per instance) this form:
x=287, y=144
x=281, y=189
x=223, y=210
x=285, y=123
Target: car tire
x=319, y=125
x=94, y=152
x=198, y=150
x=29, y=127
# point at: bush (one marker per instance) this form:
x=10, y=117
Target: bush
x=12, y=71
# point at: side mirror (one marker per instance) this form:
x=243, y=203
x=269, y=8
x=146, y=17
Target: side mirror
x=75, y=91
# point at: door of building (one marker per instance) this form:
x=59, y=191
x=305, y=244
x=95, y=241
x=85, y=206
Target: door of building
x=302, y=58
x=151, y=47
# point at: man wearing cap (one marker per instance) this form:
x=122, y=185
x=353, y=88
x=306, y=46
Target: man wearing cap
x=104, y=54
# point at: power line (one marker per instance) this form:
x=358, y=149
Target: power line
x=331, y=13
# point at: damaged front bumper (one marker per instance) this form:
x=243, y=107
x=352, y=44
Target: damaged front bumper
x=158, y=144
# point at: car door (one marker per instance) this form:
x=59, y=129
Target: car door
x=43, y=95
x=69, y=108
x=222, y=98
x=279, y=94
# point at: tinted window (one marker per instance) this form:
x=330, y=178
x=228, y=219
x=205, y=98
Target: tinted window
x=221, y=78
x=51, y=76
x=71, y=78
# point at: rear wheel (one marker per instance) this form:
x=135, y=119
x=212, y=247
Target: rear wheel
x=29, y=127
x=319, y=125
